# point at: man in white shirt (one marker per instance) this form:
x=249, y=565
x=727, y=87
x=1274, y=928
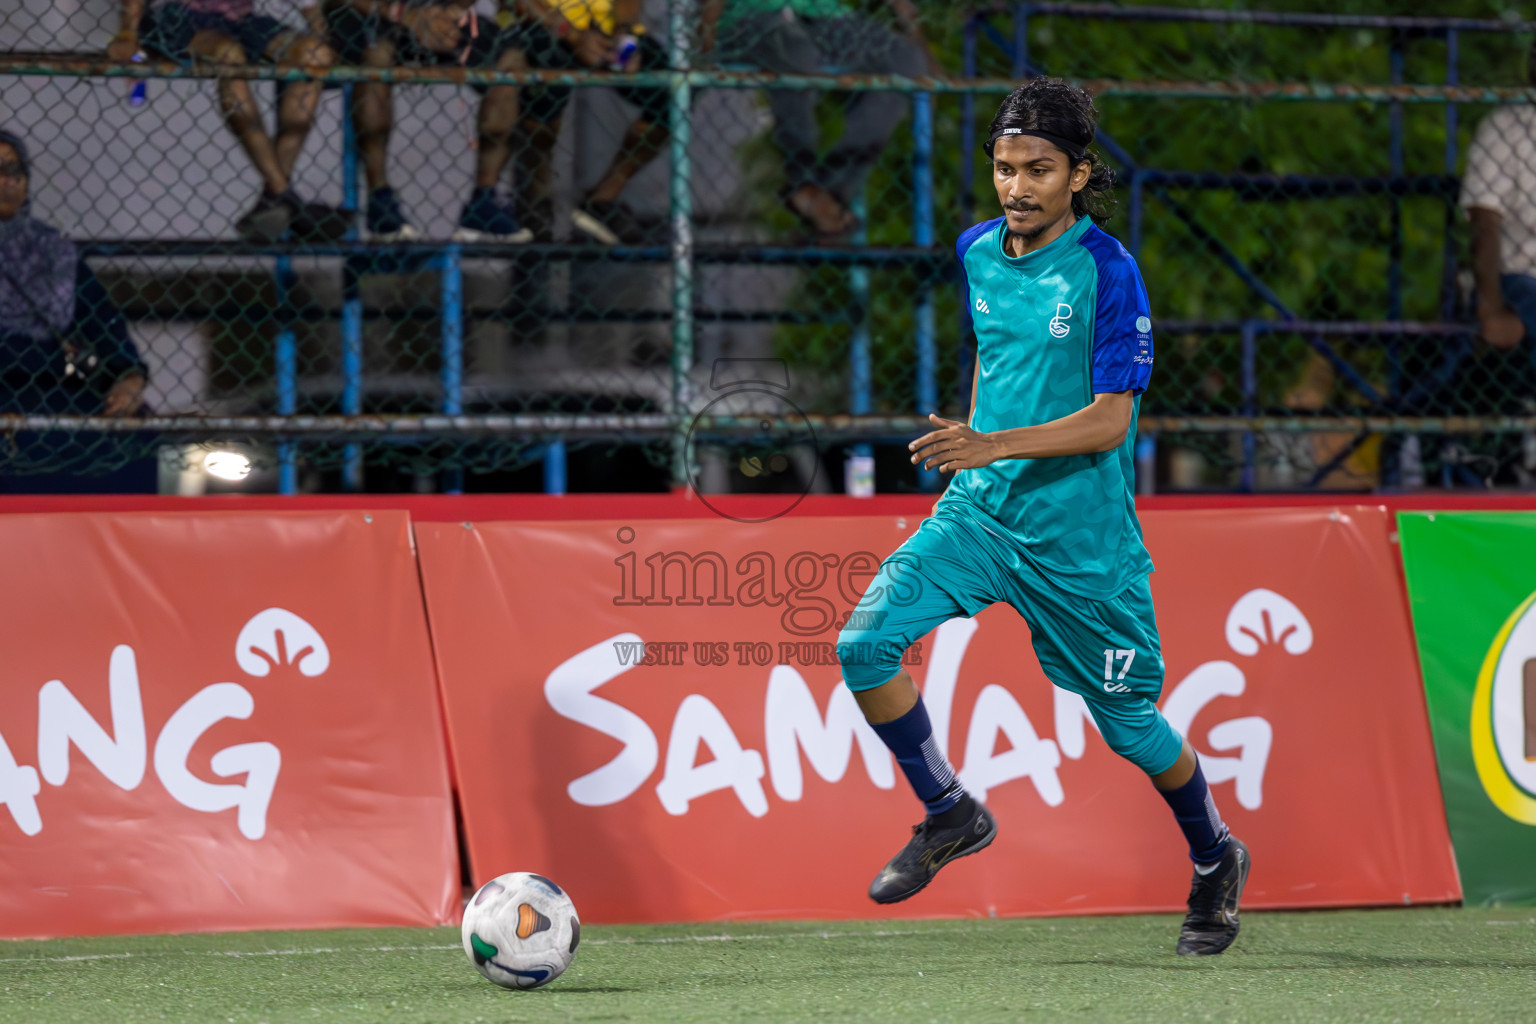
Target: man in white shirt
x=1498, y=192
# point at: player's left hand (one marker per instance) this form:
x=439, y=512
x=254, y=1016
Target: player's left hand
x=953, y=447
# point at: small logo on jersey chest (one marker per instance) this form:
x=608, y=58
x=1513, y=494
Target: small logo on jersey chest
x=981, y=306
x=1058, y=325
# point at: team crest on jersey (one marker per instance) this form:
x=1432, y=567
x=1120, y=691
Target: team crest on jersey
x=1058, y=325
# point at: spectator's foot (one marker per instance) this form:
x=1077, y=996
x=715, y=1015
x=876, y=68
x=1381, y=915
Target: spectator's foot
x=489, y=218
x=316, y=222
x=386, y=221
x=821, y=211
x=268, y=220
x=608, y=223
x=539, y=219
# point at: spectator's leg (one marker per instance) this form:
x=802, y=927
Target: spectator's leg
x=861, y=44
x=540, y=110
x=535, y=160
x=373, y=116
x=498, y=116
x=296, y=111
x=642, y=141
x=646, y=135
x=769, y=42
x=238, y=105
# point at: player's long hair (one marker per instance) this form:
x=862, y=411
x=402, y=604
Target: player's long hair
x=1052, y=106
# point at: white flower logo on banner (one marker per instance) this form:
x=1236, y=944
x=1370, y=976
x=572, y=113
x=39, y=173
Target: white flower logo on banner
x=277, y=637
x=1262, y=617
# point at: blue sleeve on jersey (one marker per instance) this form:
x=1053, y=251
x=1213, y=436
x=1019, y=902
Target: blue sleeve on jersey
x=1122, y=324
x=965, y=241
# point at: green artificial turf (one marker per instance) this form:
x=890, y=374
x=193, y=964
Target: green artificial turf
x=1438, y=964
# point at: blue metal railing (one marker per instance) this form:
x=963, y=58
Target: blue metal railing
x=683, y=254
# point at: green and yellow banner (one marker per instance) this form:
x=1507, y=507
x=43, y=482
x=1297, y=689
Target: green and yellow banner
x=1472, y=589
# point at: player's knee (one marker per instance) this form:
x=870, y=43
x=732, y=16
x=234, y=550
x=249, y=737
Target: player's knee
x=866, y=675
x=312, y=52
x=1152, y=745
x=867, y=660
x=380, y=54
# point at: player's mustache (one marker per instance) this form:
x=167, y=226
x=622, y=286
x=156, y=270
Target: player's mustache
x=1020, y=207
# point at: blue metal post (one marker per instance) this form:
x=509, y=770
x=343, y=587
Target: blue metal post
x=968, y=124
x=351, y=303
x=554, y=468
x=348, y=152
x=680, y=23
x=453, y=349
x=1448, y=259
x=1397, y=60
x=922, y=237
x=1250, y=398
x=351, y=371
x=967, y=184
x=1146, y=463
x=860, y=378
x=285, y=371
x=1136, y=210
x=1020, y=40
x=1395, y=266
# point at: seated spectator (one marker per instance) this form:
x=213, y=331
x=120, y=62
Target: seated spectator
x=1453, y=376
x=64, y=348
x=229, y=32
x=804, y=37
x=377, y=33
x=581, y=35
x=1498, y=192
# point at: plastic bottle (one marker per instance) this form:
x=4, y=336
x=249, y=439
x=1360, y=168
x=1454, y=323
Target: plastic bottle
x=138, y=92
x=624, y=47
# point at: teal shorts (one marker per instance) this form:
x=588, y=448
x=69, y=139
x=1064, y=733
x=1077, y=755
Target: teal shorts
x=954, y=565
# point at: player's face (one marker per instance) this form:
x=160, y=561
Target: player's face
x=13, y=184
x=1034, y=183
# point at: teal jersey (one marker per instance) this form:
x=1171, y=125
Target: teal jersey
x=1053, y=328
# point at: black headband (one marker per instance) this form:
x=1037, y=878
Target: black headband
x=1074, y=150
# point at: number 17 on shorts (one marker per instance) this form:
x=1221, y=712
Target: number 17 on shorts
x=1121, y=659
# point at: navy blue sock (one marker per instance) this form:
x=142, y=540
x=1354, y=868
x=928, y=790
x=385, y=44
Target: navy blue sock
x=910, y=738
x=1196, y=811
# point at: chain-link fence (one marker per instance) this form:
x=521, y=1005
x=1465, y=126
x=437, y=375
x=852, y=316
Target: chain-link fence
x=624, y=245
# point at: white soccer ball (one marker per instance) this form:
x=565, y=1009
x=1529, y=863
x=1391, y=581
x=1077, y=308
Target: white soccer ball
x=521, y=930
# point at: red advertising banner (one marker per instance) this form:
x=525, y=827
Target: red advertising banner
x=651, y=713
x=218, y=721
